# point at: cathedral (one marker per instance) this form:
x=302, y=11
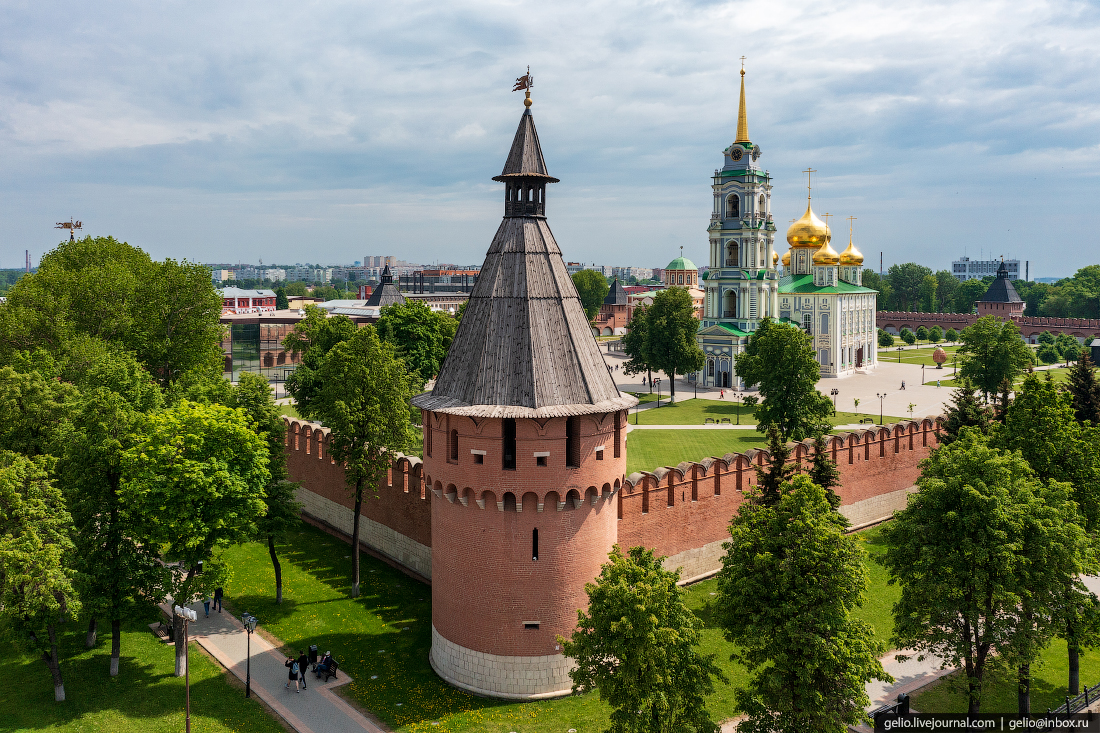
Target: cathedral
x=816, y=290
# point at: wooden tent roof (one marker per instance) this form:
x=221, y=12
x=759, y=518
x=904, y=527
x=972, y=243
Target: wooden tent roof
x=524, y=347
x=525, y=158
x=386, y=293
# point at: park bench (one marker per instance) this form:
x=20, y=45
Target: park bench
x=709, y=421
x=329, y=672
x=867, y=419
x=727, y=421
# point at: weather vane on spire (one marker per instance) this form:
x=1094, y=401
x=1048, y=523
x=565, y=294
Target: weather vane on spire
x=524, y=84
x=71, y=225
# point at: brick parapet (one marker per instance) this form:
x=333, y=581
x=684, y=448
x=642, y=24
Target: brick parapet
x=1029, y=325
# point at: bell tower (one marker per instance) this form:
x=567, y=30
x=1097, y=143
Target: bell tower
x=524, y=451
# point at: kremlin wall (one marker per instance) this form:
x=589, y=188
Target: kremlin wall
x=1030, y=326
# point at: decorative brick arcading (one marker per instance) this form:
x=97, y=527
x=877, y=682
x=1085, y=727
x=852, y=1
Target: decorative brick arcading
x=1030, y=326
x=512, y=677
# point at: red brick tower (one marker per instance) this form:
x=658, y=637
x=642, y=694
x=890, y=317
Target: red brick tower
x=524, y=449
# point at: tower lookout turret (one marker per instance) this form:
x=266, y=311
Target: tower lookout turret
x=524, y=451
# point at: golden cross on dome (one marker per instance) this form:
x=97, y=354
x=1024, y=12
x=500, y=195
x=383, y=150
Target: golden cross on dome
x=850, y=220
x=809, y=172
x=826, y=215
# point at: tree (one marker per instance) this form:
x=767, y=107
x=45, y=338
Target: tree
x=420, y=336
x=313, y=337
x=364, y=399
x=635, y=343
x=36, y=579
x=119, y=575
x=907, y=282
x=670, y=336
x=922, y=333
x=955, y=551
x=34, y=412
x=928, y=298
x=296, y=289
x=908, y=336
x=992, y=352
x=1084, y=389
x=964, y=411
x=935, y=334
x=780, y=359
x=192, y=484
x=281, y=507
x=968, y=292
x=946, y=286
x=951, y=335
x=636, y=646
x=281, y=301
x=823, y=470
x=789, y=582
x=885, y=340
x=1069, y=349
x=592, y=288
x=771, y=479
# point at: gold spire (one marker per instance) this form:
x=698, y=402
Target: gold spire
x=809, y=231
x=851, y=256
x=742, y=117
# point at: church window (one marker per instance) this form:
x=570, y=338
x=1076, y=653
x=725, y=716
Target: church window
x=824, y=323
x=761, y=203
x=731, y=255
x=710, y=367
x=808, y=323
x=733, y=206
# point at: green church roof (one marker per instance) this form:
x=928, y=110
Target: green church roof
x=681, y=263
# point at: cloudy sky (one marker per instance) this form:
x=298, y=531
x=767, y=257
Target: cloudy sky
x=326, y=131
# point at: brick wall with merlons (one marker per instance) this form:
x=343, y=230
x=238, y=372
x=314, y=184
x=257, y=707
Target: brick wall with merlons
x=681, y=512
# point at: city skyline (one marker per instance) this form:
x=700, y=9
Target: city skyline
x=268, y=133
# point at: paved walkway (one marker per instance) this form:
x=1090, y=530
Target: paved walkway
x=316, y=709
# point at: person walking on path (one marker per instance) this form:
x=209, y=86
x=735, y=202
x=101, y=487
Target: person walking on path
x=303, y=665
x=292, y=664
x=206, y=605
x=218, y=600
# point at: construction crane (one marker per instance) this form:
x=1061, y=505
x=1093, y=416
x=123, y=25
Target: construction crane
x=71, y=225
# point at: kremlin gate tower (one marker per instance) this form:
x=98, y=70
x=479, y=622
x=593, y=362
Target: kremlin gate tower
x=524, y=451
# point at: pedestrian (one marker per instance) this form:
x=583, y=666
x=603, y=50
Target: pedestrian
x=218, y=600
x=324, y=664
x=303, y=664
x=903, y=384
x=292, y=664
x=722, y=394
x=206, y=605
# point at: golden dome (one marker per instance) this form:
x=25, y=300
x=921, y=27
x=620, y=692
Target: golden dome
x=826, y=255
x=775, y=259
x=809, y=231
x=851, y=256
x=787, y=258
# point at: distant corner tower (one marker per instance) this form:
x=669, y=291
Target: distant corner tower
x=524, y=451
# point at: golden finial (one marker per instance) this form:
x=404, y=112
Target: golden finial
x=742, y=114
x=851, y=256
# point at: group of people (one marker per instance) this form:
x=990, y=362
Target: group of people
x=216, y=599
x=298, y=668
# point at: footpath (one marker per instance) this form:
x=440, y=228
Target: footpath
x=317, y=709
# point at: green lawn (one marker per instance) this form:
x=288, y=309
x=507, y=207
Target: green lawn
x=917, y=356
x=1059, y=375
x=368, y=636
x=1049, y=680
x=144, y=698
x=650, y=449
x=288, y=410
x=695, y=412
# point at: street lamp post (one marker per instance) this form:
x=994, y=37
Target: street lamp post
x=922, y=373
x=738, y=396
x=834, y=392
x=881, y=397
x=899, y=353
x=250, y=623
x=188, y=615
x=658, y=381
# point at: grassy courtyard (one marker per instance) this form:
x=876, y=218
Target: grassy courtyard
x=690, y=411
x=1059, y=375
x=386, y=633
x=144, y=698
x=917, y=356
x=650, y=449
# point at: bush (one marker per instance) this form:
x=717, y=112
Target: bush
x=1046, y=337
x=935, y=334
x=922, y=333
x=1068, y=347
x=885, y=340
x=908, y=336
x=1047, y=354
x=951, y=335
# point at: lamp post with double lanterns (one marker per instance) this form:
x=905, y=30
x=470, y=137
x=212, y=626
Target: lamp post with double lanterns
x=250, y=624
x=834, y=392
x=188, y=615
x=658, y=383
x=738, y=396
x=881, y=397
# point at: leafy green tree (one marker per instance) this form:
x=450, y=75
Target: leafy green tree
x=296, y=289
x=636, y=645
x=908, y=336
x=1047, y=354
x=281, y=301
x=968, y=293
x=928, y=298
x=253, y=395
x=935, y=334
x=1084, y=389
x=670, y=337
x=313, y=337
x=36, y=578
x=946, y=286
x=907, y=282
x=951, y=335
x=789, y=582
x=823, y=470
x=192, y=484
x=592, y=288
x=635, y=342
x=955, y=552
x=885, y=340
x=780, y=359
x=964, y=411
x=992, y=351
x=364, y=399
x=420, y=335
x=34, y=412
x=922, y=333
x=771, y=479
x=1069, y=349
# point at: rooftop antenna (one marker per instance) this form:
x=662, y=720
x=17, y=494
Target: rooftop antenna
x=71, y=225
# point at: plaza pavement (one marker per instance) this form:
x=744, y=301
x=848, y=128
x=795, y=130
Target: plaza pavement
x=317, y=709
